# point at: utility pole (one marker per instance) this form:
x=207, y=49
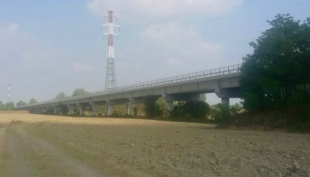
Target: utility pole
x=110, y=83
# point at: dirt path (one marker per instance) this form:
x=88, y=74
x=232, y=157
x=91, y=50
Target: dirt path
x=31, y=156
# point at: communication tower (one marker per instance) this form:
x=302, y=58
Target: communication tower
x=110, y=82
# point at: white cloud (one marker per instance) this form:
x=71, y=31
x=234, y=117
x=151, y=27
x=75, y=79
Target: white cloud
x=167, y=50
x=161, y=8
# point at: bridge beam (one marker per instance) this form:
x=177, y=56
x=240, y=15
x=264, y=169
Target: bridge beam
x=226, y=94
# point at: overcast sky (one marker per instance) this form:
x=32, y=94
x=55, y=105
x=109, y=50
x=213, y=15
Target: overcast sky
x=47, y=47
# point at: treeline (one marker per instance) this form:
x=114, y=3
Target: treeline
x=59, y=96
x=189, y=110
x=276, y=76
x=11, y=105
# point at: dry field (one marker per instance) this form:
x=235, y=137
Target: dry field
x=38, y=145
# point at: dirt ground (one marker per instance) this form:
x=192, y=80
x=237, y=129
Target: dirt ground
x=38, y=145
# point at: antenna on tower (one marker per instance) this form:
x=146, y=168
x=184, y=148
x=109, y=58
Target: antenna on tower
x=110, y=83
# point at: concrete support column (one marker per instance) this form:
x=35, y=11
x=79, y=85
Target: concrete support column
x=128, y=108
x=225, y=101
x=93, y=107
x=70, y=109
x=42, y=110
x=135, y=110
x=80, y=109
x=169, y=107
x=54, y=109
x=110, y=109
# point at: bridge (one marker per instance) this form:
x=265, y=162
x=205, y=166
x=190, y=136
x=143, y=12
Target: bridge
x=224, y=82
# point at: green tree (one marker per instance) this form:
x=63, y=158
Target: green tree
x=60, y=96
x=278, y=69
x=197, y=109
x=150, y=107
x=161, y=107
x=9, y=106
x=33, y=101
x=235, y=108
x=2, y=106
x=220, y=113
x=21, y=103
x=79, y=92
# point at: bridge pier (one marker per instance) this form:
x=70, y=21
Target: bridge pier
x=135, y=110
x=42, y=110
x=169, y=107
x=225, y=101
x=70, y=109
x=93, y=107
x=110, y=109
x=128, y=108
x=54, y=109
x=80, y=109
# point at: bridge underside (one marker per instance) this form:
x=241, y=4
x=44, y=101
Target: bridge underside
x=224, y=86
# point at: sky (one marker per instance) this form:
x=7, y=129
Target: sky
x=48, y=47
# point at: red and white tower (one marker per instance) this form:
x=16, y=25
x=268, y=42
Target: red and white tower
x=110, y=83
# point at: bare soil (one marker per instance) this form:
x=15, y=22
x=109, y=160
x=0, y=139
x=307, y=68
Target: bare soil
x=39, y=145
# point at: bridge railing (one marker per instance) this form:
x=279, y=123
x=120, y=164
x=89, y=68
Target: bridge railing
x=174, y=79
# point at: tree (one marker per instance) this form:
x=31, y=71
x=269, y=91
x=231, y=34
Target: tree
x=33, y=101
x=79, y=92
x=2, y=106
x=191, y=109
x=161, y=107
x=278, y=69
x=60, y=96
x=9, y=106
x=150, y=105
x=197, y=109
x=21, y=103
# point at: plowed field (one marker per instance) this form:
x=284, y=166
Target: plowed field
x=39, y=145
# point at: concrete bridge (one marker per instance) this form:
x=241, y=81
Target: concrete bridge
x=223, y=81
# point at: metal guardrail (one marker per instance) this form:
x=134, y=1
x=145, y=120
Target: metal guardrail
x=175, y=79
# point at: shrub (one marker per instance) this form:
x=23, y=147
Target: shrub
x=221, y=113
x=191, y=109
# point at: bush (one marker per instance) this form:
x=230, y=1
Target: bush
x=197, y=109
x=192, y=109
x=177, y=111
x=154, y=106
x=150, y=106
x=220, y=113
